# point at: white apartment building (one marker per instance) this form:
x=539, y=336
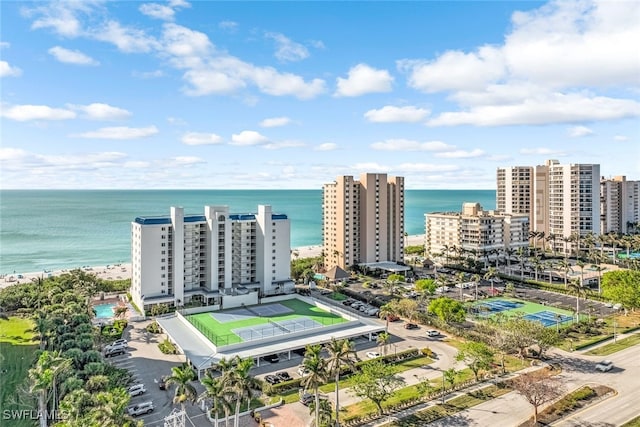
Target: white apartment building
x=619, y=205
x=560, y=200
x=215, y=259
x=363, y=220
x=475, y=232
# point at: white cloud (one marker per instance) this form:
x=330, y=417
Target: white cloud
x=196, y=138
x=286, y=49
x=512, y=83
x=71, y=56
x=621, y=138
x=120, y=132
x=5, y=45
x=455, y=70
x=229, y=26
x=176, y=121
x=410, y=145
x=370, y=167
x=23, y=113
x=11, y=154
x=460, y=154
x=61, y=17
x=426, y=167
x=327, y=146
x=183, y=42
x=391, y=114
x=542, y=152
x=579, y=131
x=248, y=137
x=187, y=160
x=554, y=108
x=147, y=74
x=136, y=164
x=157, y=11
x=179, y=3
x=283, y=144
x=275, y=122
x=7, y=70
x=99, y=111
x=364, y=79
x=126, y=39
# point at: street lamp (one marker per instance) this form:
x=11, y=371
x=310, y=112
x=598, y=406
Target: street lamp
x=443, y=389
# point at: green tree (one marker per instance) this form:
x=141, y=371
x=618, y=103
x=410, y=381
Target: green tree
x=447, y=309
x=376, y=382
x=450, y=376
x=216, y=391
x=182, y=376
x=578, y=288
x=621, y=286
x=342, y=354
x=383, y=340
x=426, y=285
x=491, y=275
x=389, y=309
x=476, y=355
x=242, y=384
x=316, y=365
x=324, y=412
x=111, y=409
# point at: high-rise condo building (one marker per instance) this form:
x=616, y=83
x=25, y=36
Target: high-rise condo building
x=562, y=201
x=363, y=220
x=218, y=258
x=475, y=233
x=619, y=205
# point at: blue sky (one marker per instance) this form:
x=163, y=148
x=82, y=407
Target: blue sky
x=239, y=95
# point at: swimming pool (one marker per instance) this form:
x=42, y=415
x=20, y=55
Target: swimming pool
x=104, y=310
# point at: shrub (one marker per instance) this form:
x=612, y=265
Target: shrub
x=167, y=347
x=153, y=328
x=428, y=352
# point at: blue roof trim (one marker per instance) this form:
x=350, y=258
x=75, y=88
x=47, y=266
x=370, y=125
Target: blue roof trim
x=153, y=220
x=195, y=218
x=242, y=217
x=278, y=216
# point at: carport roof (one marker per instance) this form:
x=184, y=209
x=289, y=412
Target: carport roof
x=385, y=265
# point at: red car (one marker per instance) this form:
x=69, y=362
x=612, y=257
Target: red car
x=411, y=326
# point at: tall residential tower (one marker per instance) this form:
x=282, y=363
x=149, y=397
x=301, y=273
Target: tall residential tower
x=363, y=221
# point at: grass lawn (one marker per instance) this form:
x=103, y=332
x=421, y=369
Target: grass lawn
x=633, y=423
x=612, y=347
x=17, y=351
x=221, y=333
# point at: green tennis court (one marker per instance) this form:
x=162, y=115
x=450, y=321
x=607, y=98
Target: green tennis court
x=222, y=334
x=512, y=306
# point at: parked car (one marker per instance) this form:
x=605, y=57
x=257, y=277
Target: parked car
x=411, y=326
x=114, y=351
x=604, y=366
x=119, y=342
x=307, y=398
x=162, y=384
x=272, y=379
x=433, y=333
x=284, y=376
x=391, y=317
x=271, y=358
x=303, y=372
x=373, y=311
x=373, y=354
x=136, y=390
x=140, y=409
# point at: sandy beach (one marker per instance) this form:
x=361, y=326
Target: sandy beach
x=123, y=271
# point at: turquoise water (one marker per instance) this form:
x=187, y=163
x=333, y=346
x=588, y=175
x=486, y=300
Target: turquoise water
x=104, y=311
x=54, y=229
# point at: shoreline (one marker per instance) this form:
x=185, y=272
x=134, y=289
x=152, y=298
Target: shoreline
x=122, y=271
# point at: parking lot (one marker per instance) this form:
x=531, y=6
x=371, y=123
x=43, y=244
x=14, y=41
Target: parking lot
x=148, y=364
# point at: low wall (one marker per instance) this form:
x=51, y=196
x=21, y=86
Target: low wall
x=267, y=300
x=203, y=309
x=233, y=301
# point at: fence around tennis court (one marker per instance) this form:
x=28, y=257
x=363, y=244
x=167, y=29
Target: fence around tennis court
x=261, y=332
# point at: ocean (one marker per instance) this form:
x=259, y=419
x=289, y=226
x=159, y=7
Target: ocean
x=55, y=229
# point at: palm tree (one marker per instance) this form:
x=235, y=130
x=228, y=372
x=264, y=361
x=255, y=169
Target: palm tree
x=521, y=252
x=552, y=238
x=581, y=265
x=217, y=391
x=476, y=279
x=577, y=287
x=182, y=376
x=316, y=366
x=387, y=310
x=111, y=409
x=491, y=274
x=242, y=384
x=565, y=265
x=599, y=269
x=383, y=341
x=342, y=353
x=537, y=263
x=324, y=412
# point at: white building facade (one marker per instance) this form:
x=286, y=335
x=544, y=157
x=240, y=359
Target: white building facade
x=474, y=232
x=210, y=259
x=619, y=205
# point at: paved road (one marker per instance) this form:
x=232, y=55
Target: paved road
x=578, y=370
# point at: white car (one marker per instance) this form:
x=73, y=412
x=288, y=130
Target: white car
x=604, y=366
x=303, y=372
x=119, y=342
x=137, y=390
x=140, y=409
x=373, y=354
x=433, y=333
